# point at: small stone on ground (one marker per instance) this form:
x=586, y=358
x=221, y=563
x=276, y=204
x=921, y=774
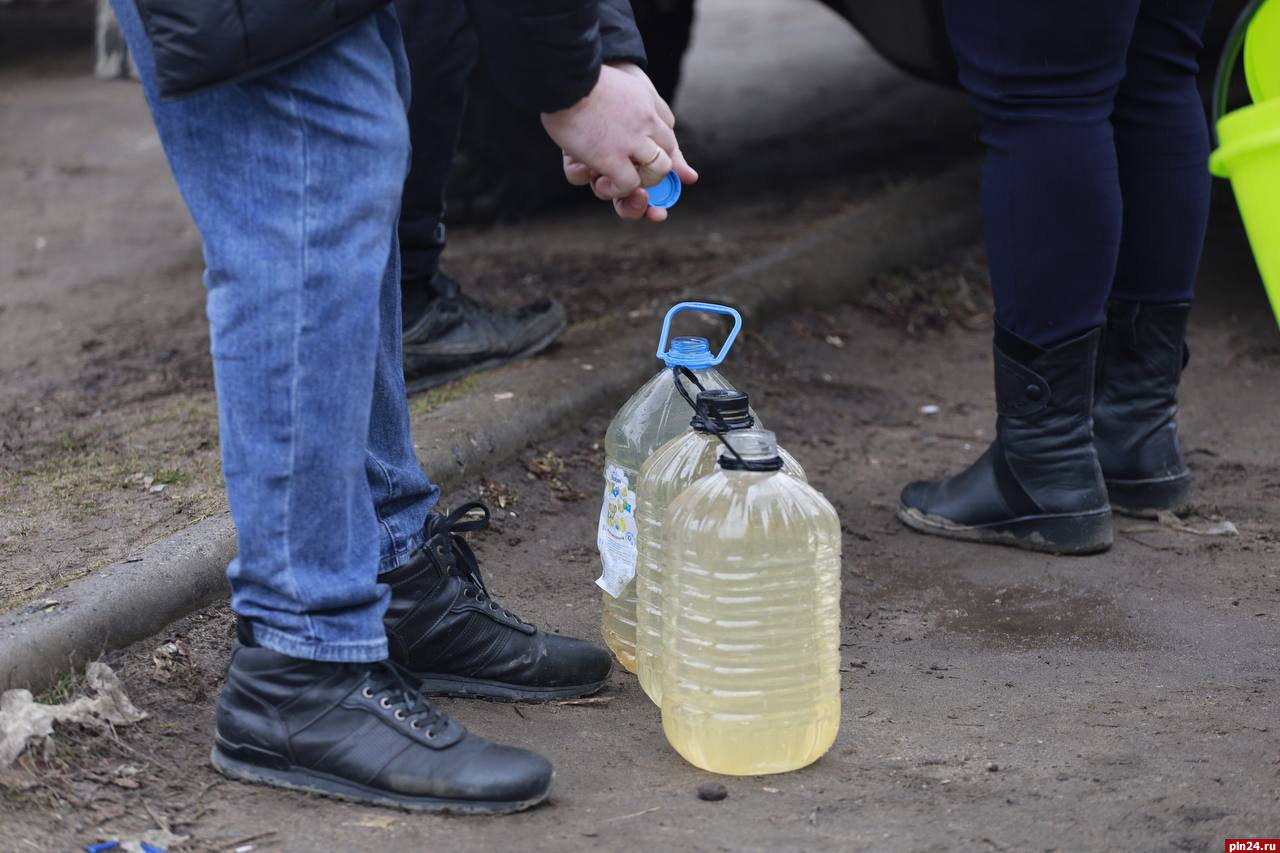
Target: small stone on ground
x=712, y=791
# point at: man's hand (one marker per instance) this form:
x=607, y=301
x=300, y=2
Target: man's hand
x=619, y=139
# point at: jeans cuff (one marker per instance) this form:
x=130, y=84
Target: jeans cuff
x=401, y=551
x=367, y=651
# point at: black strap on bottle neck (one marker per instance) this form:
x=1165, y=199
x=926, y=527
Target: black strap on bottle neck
x=737, y=463
x=717, y=426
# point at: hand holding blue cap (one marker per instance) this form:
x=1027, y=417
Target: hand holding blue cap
x=666, y=192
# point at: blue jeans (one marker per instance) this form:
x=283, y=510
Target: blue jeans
x=294, y=181
x=1095, y=184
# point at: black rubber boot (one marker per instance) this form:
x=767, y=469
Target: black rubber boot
x=444, y=627
x=456, y=335
x=1136, y=407
x=1038, y=486
x=362, y=732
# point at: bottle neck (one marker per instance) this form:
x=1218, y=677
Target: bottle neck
x=750, y=450
x=691, y=352
x=713, y=424
x=758, y=465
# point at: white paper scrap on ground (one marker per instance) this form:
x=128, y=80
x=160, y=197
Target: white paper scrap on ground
x=23, y=719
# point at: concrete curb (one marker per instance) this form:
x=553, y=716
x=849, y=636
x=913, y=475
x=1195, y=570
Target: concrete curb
x=506, y=411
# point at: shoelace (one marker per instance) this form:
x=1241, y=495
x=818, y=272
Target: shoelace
x=454, y=525
x=395, y=687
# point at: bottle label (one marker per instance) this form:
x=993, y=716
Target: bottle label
x=616, y=536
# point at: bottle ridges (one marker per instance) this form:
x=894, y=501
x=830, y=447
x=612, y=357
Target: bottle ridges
x=668, y=472
x=653, y=416
x=751, y=624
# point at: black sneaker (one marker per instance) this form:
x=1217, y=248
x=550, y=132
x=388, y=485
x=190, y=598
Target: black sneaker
x=457, y=335
x=362, y=732
x=444, y=627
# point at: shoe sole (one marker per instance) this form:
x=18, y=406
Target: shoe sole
x=461, y=687
x=1075, y=534
x=1146, y=498
x=435, y=380
x=310, y=781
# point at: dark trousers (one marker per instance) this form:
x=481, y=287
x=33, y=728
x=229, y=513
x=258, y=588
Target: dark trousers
x=1095, y=184
x=443, y=49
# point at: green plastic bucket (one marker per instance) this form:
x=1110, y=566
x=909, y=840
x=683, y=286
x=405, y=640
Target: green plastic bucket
x=1248, y=151
x=1262, y=53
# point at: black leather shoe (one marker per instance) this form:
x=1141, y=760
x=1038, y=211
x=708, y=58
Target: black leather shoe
x=1038, y=486
x=362, y=732
x=444, y=627
x=1135, y=412
x=457, y=335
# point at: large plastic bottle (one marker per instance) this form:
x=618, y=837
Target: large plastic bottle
x=751, y=622
x=653, y=416
x=668, y=472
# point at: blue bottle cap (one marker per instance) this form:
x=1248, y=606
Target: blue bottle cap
x=666, y=192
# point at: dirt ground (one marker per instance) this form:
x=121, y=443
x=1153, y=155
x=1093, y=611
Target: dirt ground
x=107, y=422
x=992, y=699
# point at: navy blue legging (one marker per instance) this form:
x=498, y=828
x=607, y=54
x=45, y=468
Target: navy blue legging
x=1096, y=182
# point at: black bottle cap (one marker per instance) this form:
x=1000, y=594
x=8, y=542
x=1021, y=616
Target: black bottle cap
x=726, y=409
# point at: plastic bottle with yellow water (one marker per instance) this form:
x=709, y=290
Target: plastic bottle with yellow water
x=668, y=472
x=751, y=616
x=653, y=416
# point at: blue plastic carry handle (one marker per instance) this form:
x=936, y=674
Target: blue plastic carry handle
x=709, y=308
